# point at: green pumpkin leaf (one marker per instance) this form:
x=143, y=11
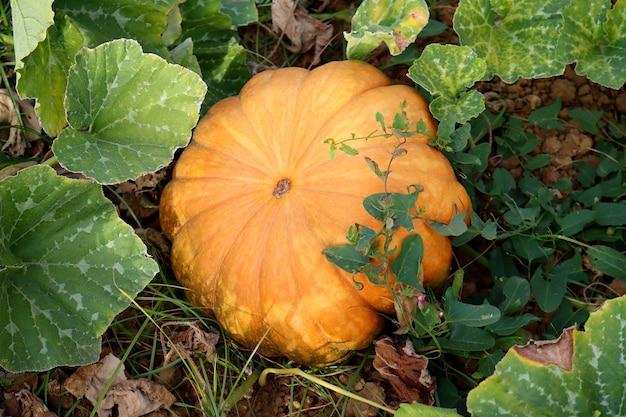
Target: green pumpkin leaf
x=581, y=374
x=183, y=55
x=56, y=54
x=422, y=410
x=447, y=71
x=407, y=266
x=394, y=22
x=241, y=12
x=103, y=21
x=516, y=38
x=127, y=112
x=469, y=105
x=221, y=58
x=68, y=265
x=30, y=20
x=594, y=36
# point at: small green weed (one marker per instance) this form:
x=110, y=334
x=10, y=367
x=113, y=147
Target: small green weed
x=546, y=247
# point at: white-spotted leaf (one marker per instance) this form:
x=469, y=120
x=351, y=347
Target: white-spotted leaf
x=516, y=38
x=416, y=409
x=56, y=54
x=68, y=265
x=209, y=24
x=30, y=20
x=447, y=71
x=127, y=112
x=581, y=374
x=241, y=12
x=102, y=21
x=394, y=22
x=594, y=36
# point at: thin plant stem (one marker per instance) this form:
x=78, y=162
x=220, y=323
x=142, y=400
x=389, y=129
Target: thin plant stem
x=319, y=381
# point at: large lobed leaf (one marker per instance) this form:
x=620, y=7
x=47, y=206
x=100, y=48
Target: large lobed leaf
x=394, y=22
x=76, y=24
x=127, y=112
x=515, y=37
x=594, y=36
x=582, y=374
x=210, y=26
x=55, y=55
x=202, y=35
x=447, y=71
x=422, y=410
x=30, y=19
x=68, y=265
x=102, y=21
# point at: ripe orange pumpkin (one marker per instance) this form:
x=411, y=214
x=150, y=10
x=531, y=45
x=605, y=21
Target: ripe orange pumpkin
x=255, y=199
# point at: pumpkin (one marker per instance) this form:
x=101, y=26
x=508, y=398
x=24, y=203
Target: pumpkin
x=255, y=198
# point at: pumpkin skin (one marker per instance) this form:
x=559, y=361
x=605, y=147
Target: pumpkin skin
x=251, y=253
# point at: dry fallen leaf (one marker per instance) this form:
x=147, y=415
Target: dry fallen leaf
x=90, y=381
x=123, y=398
x=15, y=144
x=557, y=352
x=303, y=31
x=407, y=300
x=134, y=398
x=191, y=337
x=25, y=403
x=406, y=370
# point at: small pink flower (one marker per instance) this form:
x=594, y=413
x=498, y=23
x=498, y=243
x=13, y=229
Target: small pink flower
x=420, y=301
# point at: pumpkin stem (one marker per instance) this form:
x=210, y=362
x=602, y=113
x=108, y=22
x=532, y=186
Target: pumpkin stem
x=282, y=187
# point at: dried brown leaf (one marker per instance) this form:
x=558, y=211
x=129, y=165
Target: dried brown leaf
x=15, y=144
x=303, y=32
x=406, y=370
x=557, y=352
x=406, y=305
x=134, y=398
x=123, y=398
x=25, y=403
x=91, y=380
x=191, y=337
